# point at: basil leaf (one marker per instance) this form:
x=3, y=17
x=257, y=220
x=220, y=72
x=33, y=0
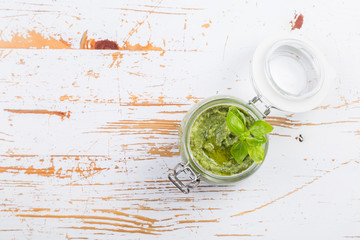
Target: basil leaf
x=256, y=141
x=234, y=123
x=239, y=114
x=260, y=128
x=244, y=135
x=256, y=153
x=239, y=151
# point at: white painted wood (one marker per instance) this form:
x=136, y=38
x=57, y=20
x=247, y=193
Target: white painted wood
x=100, y=172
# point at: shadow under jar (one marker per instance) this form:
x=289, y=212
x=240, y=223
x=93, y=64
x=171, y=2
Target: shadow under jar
x=288, y=73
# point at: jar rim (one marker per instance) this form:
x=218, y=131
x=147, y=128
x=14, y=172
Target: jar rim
x=296, y=48
x=304, y=98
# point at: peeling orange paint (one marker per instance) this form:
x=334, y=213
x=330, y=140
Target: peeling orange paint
x=152, y=11
x=288, y=194
x=165, y=151
x=198, y=221
x=288, y=123
x=46, y=172
x=145, y=230
x=93, y=74
x=33, y=39
x=39, y=209
x=116, y=230
x=137, y=47
x=147, y=103
x=134, y=29
x=161, y=99
x=173, y=112
x=346, y=104
x=79, y=217
x=58, y=113
x=280, y=135
x=141, y=100
x=83, y=170
x=298, y=21
x=121, y=224
x=21, y=62
x=277, y=199
x=152, y=126
x=322, y=107
x=136, y=74
x=116, y=56
x=206, y=25
x=191, y=97
x=106, y=44
x=69, y=98
x=134, y=98
x=139, y=217
x=126, y=46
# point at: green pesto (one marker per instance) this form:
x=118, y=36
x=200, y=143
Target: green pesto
x=211, y=142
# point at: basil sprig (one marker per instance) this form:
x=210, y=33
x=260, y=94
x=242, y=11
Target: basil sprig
x=250, y=140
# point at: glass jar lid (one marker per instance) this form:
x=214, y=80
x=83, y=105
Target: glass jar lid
x=290, y=73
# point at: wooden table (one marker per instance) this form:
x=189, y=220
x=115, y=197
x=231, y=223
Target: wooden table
x=89, y=136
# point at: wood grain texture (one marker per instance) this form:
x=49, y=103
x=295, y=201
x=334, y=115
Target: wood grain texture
x=88, y=136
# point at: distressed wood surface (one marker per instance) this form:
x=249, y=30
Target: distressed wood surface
x=87, y=137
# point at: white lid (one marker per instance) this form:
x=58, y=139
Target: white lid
x=290, y=73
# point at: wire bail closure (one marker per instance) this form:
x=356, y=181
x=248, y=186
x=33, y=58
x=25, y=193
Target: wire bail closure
x=267, y=108
x=184, y=168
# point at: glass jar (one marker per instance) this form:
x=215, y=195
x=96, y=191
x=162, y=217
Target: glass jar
x=288, y=73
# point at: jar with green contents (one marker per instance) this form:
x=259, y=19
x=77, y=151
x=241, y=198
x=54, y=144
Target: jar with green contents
x=289, y=74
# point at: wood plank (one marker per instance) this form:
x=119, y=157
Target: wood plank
x=88, y=137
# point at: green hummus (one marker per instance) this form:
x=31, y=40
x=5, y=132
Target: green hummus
x=211, y=142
